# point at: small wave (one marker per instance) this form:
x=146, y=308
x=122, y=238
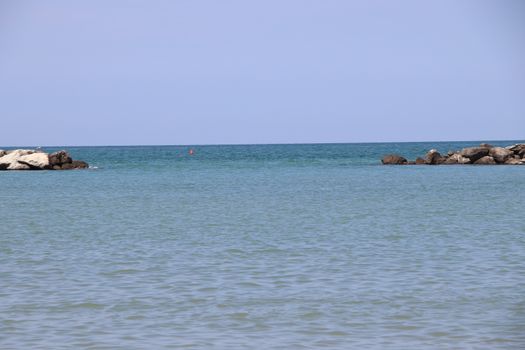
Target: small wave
x=121, y=272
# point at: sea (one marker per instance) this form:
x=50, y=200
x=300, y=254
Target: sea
x=300, y=246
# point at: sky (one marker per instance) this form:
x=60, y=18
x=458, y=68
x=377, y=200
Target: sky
x=98, y=72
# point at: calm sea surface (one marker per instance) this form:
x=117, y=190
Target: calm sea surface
x=263, y=247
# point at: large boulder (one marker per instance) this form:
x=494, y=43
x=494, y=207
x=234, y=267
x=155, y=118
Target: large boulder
x=457, y=158
x=36, y=160
x=394, y=159
x=59, y=158
x=420, y=161
x=434, y=157
x=10, y=160
x=487, y=160
x=474, y=153
x=500, y=154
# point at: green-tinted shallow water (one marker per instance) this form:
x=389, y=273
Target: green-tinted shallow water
x=263, y=247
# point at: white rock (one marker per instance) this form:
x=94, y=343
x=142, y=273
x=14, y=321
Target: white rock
x=39, y=160
x=18, y=166
x=10, y=160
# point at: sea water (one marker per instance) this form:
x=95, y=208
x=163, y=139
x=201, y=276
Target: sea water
x=263, y=247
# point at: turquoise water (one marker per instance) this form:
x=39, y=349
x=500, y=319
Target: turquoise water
x=263, y=247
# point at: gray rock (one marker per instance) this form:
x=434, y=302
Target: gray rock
x=394, y=159
x=487, y=160
x=474, y=153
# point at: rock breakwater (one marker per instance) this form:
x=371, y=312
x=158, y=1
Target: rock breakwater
x=484, y=154
x=28, y=159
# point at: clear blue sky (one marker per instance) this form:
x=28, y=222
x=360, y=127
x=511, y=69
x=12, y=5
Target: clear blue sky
x=99, y=72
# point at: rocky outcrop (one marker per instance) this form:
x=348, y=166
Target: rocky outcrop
x=484, y=154
x=23, y=159
x=394, y=159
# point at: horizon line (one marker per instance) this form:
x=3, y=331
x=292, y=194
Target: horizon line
x=262, y=144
